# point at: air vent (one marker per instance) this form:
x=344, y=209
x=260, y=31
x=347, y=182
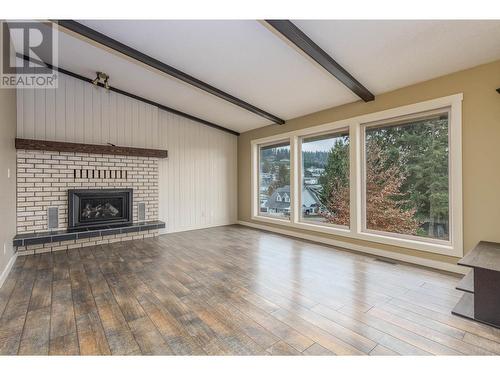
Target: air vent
x=141, y=214
x=52, y=217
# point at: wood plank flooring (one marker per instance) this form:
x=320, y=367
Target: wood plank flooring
x=231, y=291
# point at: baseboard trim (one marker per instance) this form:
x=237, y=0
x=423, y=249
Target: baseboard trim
x=443, y=266
x=7, y=269
x=195, y=227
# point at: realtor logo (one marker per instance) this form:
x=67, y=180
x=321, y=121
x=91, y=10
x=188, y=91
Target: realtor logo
x=29, y=50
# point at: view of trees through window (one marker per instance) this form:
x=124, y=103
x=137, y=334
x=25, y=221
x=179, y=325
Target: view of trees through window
x=406, y=177
x=274, y=180
x=325, y=179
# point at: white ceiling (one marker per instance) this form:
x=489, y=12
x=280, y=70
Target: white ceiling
x=386, y=55
x=247, y=60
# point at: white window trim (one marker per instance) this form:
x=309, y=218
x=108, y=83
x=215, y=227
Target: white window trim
x=255, y=180
x=452, y=248
x=335, y=228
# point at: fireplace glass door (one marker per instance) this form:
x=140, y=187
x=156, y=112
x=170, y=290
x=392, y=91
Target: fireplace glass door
x=89, y=208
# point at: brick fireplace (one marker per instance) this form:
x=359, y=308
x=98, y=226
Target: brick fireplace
x=45, y=177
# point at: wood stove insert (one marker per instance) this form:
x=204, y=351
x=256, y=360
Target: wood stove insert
x=99, y=207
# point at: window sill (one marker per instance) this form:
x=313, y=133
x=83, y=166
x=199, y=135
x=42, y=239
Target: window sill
x=346, y=232
x=427, y=246
x=330, y=229
x=442, y=249
x=272, y=220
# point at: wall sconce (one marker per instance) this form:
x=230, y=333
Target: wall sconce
x=101, y=78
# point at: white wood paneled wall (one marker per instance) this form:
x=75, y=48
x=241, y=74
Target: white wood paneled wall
x=197, y=181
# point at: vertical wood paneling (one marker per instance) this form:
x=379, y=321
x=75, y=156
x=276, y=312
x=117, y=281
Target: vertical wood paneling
x=39, y=114
x=134, y=135
x=70, y=109
x=79, y=112
x=60, y=110
x=111, y=122
x=29, y=114
x=120, y=120
x=88, y=114
x=142, y=124
x=105, y=131
x=50, y=114
x=130, y=124
x=155, y=128
x=96, y=111
x=197, y=181
x=20, y=112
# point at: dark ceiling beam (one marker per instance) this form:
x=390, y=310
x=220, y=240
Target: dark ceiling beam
x=302, y=41
x=130, y=95
x=100, y=38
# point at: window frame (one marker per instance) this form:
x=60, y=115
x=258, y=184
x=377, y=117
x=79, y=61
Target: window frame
x=453, y=247
x=393, y=122
x=300, y=220
x=256, y=185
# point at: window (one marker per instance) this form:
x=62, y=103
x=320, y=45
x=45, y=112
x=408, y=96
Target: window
x=406, y=178
x=325, y=194
x=274, y=180
x=392, y=177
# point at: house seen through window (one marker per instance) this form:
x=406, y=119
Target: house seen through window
x=274, y=180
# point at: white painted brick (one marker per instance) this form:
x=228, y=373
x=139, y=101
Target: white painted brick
x=35, y=228
x=44, y=250
x=23, y=164
x=25, y=252
x=34, y=247
x=53, y=174
x=58, y=248
x=25, y=175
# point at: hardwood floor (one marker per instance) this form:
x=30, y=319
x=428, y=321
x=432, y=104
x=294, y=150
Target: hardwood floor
x=231, y=291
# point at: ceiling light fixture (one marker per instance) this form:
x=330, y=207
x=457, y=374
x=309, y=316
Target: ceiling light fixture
x=103, y=79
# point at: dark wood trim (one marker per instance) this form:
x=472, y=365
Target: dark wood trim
x=133, y=96
x=39, y=145
x=105, y=40
x=302, y=41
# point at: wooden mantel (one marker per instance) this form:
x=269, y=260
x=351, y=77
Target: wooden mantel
x=39, y=145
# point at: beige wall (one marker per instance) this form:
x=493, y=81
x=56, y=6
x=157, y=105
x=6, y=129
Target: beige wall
x=481, y=149
x=7, y=185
